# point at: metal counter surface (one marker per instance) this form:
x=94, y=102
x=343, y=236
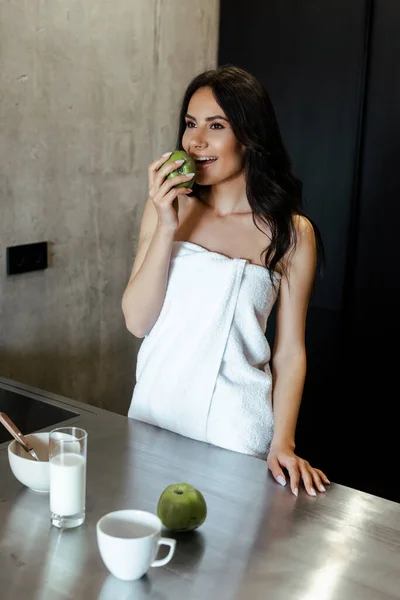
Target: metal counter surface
x=258, y=541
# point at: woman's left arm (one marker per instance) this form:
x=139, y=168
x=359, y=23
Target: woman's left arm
x=289, y=363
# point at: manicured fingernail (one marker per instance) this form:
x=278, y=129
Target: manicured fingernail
x=321, y=487
x=189, y=175
x=167, y=154
x=179, y=162
x=313, y=492
x=327, y=481
x=281, y=480
x=296, y=491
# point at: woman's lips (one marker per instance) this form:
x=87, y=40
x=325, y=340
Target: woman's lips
x=203, y=164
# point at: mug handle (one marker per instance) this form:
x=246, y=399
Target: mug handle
x=167, y=542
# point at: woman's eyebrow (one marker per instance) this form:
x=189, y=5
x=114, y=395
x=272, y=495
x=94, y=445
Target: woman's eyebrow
x=213, y=118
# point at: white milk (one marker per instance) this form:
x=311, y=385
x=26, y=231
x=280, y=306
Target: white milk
x=67, y=484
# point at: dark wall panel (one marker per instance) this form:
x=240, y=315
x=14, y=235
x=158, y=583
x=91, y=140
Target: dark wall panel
x=309, y=55
x=377, y=272
x=371, y=354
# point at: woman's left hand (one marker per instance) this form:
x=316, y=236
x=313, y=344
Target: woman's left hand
x=297, y=468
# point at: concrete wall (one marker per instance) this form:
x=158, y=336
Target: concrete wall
x=89, y=93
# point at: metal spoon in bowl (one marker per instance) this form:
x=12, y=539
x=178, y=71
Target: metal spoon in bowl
x=15, y=432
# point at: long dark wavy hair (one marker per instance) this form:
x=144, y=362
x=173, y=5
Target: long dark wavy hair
x=273, y=192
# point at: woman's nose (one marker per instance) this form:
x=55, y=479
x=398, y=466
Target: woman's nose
x=198, y=140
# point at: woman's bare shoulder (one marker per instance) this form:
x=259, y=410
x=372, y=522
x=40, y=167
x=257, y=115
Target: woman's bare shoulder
x=304, y=238
x=304, y=227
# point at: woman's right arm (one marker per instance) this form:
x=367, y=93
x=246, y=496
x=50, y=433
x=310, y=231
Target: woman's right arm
x=145, y=292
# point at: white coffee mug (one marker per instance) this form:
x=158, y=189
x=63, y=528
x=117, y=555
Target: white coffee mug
x=128, y=542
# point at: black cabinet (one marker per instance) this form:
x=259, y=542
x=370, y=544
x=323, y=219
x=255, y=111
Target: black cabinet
x=333, y=73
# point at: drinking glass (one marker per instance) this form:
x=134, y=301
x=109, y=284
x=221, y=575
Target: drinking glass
x=67, y=458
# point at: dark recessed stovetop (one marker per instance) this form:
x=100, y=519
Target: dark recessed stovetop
x=30, y=414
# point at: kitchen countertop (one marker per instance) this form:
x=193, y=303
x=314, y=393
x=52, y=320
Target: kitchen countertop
x=257, y=542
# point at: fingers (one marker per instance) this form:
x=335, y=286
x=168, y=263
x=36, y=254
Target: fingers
x=172, y=195
x=155, y=165
x=158, y=170
x=313, y=479
x=307, y=478
x=317, y=480
x=294, y=475
x=323, y=476
x=276, y=471
x=172, y=183
x=166, y=170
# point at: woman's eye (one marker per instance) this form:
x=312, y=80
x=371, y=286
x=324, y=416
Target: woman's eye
x=191, y=125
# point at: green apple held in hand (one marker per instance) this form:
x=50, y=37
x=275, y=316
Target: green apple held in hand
x=181, y=507
x=189, y=166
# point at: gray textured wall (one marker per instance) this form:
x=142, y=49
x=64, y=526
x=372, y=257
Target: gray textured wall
x=89, y=93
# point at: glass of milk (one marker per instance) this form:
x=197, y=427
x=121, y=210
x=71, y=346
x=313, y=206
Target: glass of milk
x=67, y=458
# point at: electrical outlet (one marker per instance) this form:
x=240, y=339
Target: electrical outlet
x=25, y=258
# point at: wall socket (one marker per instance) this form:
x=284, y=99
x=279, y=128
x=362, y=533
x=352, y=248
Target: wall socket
x=25, y=258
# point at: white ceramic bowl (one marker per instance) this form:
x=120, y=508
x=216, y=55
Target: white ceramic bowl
x=33, y=474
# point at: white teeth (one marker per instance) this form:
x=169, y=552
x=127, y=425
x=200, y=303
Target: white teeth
x=204, y=159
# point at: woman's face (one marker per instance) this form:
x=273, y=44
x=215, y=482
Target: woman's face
x=209, y=139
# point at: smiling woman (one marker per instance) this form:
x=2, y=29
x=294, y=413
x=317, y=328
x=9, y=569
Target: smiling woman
x=211, y=263
x=210, y=140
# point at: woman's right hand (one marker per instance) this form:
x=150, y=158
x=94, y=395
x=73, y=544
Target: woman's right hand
x=163, y=191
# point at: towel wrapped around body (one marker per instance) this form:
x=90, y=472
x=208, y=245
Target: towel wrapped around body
x=203, y=369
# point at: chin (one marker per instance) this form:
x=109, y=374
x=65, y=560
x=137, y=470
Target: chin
x=207, y=180
x=203, y=181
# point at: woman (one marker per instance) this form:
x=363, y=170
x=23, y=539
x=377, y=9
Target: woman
x=211, y=262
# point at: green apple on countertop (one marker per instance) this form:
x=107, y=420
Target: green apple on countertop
x=189, y=166
x=181, y=507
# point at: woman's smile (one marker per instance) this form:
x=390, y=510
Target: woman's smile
x=204, y=162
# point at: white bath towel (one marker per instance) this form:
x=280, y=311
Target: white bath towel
x=203, y=369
